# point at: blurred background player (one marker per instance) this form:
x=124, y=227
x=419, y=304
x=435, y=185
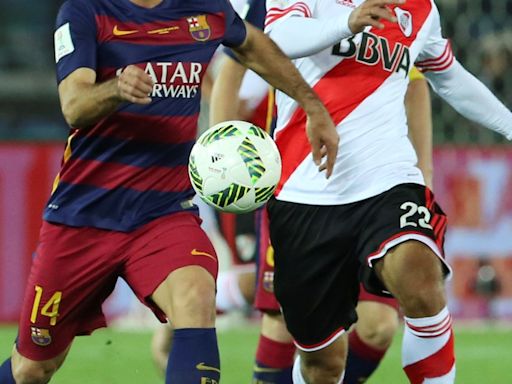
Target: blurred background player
x=362, y=219
x=121, y=203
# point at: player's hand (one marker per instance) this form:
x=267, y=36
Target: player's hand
x=134, y=85
x=370, y=13
x=324, y=140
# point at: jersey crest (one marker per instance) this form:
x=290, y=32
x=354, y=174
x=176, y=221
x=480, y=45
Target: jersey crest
x=347, y=3
x=199, y=28
x=404, y=21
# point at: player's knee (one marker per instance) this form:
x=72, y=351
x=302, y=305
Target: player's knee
x=379, y=332
x=31, y=372
x=323, y=371
x=197, y=305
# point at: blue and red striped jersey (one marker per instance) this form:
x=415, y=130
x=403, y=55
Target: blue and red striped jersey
x=131, y=167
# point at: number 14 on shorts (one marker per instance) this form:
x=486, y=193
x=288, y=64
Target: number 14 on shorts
x=49, y=309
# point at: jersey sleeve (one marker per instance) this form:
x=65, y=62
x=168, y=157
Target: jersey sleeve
x=254, y=13
x=235, y=28
x=75, y=39
x=278, y=10
x=437, y=54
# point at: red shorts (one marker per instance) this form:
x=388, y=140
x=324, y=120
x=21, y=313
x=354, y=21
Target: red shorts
x=265, y=300
x=75, y=270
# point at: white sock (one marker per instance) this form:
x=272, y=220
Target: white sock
x=428, y=349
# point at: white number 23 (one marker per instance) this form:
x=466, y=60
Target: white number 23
x=412, y=209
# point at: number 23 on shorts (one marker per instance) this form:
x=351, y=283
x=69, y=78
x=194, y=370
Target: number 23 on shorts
x=50, y=309
x=412, y=209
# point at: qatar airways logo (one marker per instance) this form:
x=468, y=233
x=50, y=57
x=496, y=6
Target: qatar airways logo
x=174, y=79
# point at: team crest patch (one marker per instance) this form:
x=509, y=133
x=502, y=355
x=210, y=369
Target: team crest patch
x=347, y=3
x=268, y=281
x=199, y=28
x=404, y=21
x=41, y=336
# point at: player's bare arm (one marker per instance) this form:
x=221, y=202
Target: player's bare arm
x=225, y=91
x=419, y=120
x=84, y=102
x=263, y=56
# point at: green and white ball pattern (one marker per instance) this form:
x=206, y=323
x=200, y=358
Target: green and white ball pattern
x=235, y=166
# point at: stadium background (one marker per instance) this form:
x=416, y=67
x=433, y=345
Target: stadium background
x=473, y=166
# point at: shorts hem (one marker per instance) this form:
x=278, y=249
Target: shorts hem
x=323, y=344
x=403, y=237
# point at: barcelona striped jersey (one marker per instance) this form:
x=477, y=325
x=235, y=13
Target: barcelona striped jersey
x=131, y=167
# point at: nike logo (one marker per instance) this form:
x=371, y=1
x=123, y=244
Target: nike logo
x=117, y=32
x=195, y=252
x=204, y=367
x=265, y=370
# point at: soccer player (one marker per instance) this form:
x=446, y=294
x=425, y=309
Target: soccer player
x=129, y=74
x=373, y=220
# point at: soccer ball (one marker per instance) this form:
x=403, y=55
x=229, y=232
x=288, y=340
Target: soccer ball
x=235, y=166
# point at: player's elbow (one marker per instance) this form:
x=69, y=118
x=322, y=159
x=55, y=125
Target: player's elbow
x=73, y=116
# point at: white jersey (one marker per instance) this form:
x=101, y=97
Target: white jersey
x=362, y=81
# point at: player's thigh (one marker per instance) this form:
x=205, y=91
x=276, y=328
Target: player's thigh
x=73, y=272
x=172, y=268
x=412, y=269
x=313, y=264
x=404, y=234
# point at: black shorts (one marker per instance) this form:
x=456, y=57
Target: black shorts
x=323, y=252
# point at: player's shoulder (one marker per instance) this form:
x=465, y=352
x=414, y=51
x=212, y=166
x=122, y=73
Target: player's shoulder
x=81, y=7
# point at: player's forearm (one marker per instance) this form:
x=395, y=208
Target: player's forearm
x=419, y=119
x=225, y=101
x=263, y=56
x=300, y=36
x=472, y=99
x=86, y=104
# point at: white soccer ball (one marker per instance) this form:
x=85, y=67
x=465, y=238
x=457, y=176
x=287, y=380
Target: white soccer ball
x=235, y=166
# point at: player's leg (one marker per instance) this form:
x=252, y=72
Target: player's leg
x=405, y=247
x=323, y=366
x=68, y=282
x=311, y=269
x=172, y=269
x=187, y=296
x=235, y=287
x=414, y=274
x=371, y=336
x=276, y=350
x=28, y=371
x=160, y=346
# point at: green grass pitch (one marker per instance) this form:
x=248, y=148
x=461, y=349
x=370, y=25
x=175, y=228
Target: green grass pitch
x=484, y=355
